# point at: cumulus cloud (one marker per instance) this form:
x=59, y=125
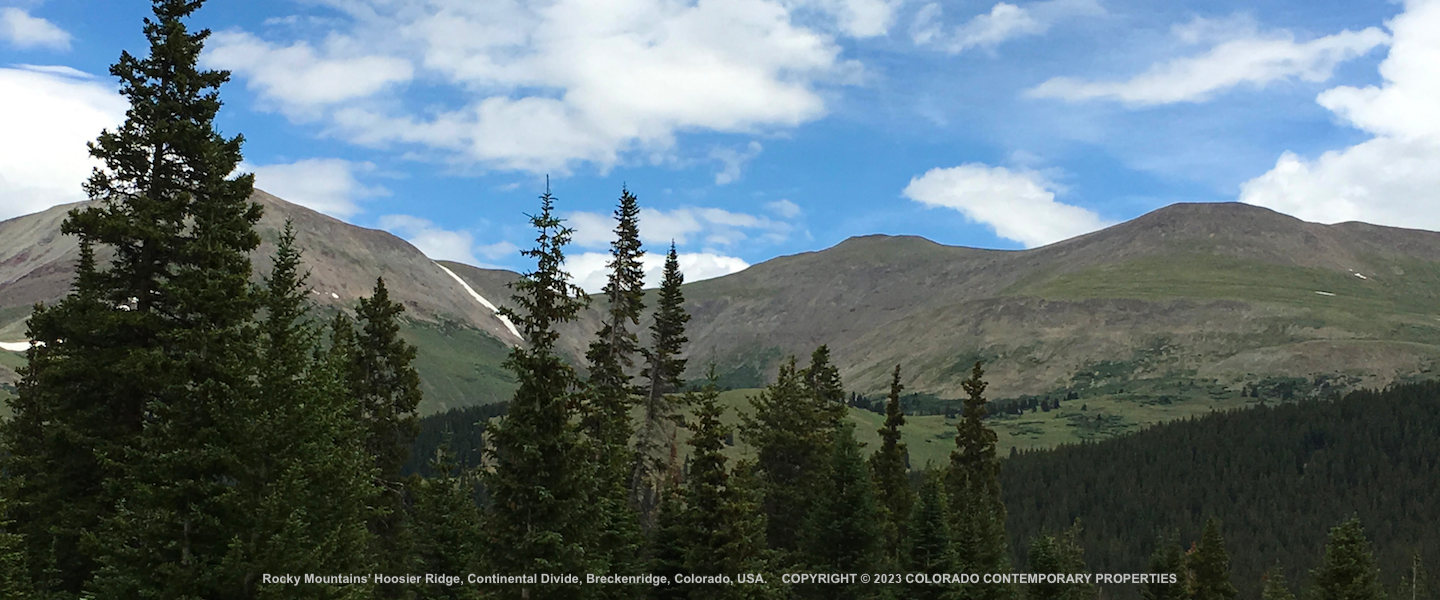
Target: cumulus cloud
x=588, y=269
x=436, y=242
x=299, y=79
x=47, y=115
x=543, y=87
x=20, y=29
x=1004, y=22
x=1390, y=179
x=1017, y=205
x=327, y=185
x=1240, y=55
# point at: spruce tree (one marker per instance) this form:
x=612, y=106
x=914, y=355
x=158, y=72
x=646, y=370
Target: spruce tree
x=14, y=576
x=842, y=533
x=662, y=372
x=928, y=548
x=1414, y=584
x=447, y=530
x=889, y=467
x=1063, y=554
x=386, y=390
x=541, y=483
x=1167, y=558
x=723, y=534
x=607, y=417
x=1209, y=565
x=974, y=484
x=668, y=543
x=1349, y=571
x=305, y=488
x=827, y=394
x=1273, y=586
x=791, y=452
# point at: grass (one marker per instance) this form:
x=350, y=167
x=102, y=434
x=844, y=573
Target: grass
x=458, y=366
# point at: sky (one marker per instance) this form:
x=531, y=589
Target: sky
x=751, y=129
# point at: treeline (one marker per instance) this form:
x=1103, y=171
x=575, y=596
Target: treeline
x=1277, y=477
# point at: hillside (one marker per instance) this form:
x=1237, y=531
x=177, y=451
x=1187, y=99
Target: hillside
x=1191, y=302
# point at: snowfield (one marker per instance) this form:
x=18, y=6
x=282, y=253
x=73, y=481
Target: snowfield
x=482, y=301
x=15, y=346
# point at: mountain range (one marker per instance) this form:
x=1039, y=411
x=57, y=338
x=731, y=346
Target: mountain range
x=1191, y=296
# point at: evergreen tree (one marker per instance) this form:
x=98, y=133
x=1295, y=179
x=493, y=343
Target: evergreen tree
x=928, y=548
x=827, y=394
x=386, y=390
x=1414, y=584
x=723, y=534
x=1349, y=571
x=974, y=485
x=1062, y=554
x=842, y=533
x=791, y=451
x=540, y=486
x=607, y=418
x=447, y=528
x=889, y=467
x=147, y=340
x=662, y=372
x=306, y=488
x=14, y=576
x=1273, y=586
x=1208, y=565
x=1168, y=558
x=668, y=543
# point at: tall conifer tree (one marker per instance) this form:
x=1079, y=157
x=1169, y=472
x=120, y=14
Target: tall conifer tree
x=929, y=548
x=662, y=372
x=974, y=482
x=889, y=465
x=542, y=481
x=607, y=417
x=1349, y=571
x=1209, y=565
x=1167, y=558
x=447, y=528
x=842, y=531
x=791, y=451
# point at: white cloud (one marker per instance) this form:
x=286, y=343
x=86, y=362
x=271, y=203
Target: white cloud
x=543, y=87
x=1004, y=22
x=1392, y=178
x=47, y=115
x=785, y=209
x=24, y=31
x=1243, y=55
x=1018, y=205
x=436, y=242
x=733, y=160
x=588, y=269
x=300, y=80
x=327, y=185
x=711, y=227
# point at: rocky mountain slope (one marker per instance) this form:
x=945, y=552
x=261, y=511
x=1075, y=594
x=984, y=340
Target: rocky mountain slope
x=1210, y=295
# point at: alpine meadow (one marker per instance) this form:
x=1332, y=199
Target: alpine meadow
x=436, y=360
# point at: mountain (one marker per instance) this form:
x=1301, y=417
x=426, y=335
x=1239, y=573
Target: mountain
x=1189, y=301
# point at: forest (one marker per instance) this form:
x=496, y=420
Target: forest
x=181, y=431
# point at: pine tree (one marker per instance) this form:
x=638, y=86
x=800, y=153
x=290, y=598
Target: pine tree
x=928, y=548
x=1273, y=586
x=181, y=315
x=1063, y=554
x=1167, y=558
x=841, y=532
x=791, y=451
x=892, y=482
x=827, y=394
x=723, y=534
x=305, y=487
x=662, y=372
x=541, y=482
x=1209, y=565
x=1349, y=571
x=607, y=417
x=447, y=528
x=974, y=485
x=386, y=390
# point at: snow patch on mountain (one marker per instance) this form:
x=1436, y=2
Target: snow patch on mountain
x=482, y=301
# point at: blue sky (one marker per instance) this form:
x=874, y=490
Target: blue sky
x=756, y=128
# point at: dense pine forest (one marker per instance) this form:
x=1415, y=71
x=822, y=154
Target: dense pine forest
x=181, y=431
